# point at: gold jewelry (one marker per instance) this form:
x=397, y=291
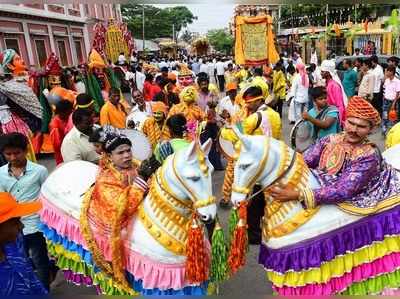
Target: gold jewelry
x=204, y=203
x=168, y=193
x=241, y=190
x=158, y=234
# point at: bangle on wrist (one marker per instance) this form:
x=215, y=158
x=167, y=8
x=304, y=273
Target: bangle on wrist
x=307, y=198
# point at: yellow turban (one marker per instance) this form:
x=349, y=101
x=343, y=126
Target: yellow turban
x=188, y=94
x=95, y=60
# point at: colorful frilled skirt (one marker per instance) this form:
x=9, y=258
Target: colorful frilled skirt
x=66, y=244
x=358, y=259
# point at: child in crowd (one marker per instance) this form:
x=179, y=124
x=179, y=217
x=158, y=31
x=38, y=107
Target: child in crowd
x=58, y=127
x=323, y=117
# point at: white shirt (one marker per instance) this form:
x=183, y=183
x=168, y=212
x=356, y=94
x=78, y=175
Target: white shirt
x=210, y=69
x=203, y=68
x=162, y=64
x=226, y=104
x=76, y=146
x=140, y=77
x=379, y=78
x=226, y=63
x=80, y=87
x=220, y=68
x=121, y=59
x=298, y=90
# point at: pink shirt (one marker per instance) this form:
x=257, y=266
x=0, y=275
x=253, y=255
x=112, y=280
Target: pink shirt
x=335, y=98
x=391, y=87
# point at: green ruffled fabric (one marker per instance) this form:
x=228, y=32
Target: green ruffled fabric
x=106, y=284
x=112, y=78
x=375, y=285
x=46, y=112
x=94, y=90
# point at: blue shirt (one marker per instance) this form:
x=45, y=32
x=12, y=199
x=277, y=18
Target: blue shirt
x=333, y=129
x=16, y=273
x=350, y=82
x=26, y=188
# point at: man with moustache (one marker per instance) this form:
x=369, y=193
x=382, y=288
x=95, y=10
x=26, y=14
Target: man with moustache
x=349, y=168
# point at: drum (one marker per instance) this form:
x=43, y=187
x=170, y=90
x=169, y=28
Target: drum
x=392, y=156
x=137, y=119
x=226, y=147
x=302, y=135
x=141, y=147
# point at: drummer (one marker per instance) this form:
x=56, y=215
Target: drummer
x=139, y=113
x=323, y=117
x=227, y=107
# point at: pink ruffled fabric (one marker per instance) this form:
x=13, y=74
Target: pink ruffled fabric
x=391, y=292
x=153, y=274
x=385, y=264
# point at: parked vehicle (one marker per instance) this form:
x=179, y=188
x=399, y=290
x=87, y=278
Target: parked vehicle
x=339, y=62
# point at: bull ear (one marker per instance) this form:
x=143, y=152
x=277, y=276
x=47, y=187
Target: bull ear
x=206, y=147
x=191, y=152
x=244, y=140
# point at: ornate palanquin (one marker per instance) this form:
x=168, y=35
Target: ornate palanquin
x=254, y=40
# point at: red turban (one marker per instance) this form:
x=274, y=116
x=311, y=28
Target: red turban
x=360, y=108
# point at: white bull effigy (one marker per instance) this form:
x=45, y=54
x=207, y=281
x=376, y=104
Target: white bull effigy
x=329, y=249
x=154, y=241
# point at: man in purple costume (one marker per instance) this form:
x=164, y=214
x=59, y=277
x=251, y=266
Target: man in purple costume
x=349, y=168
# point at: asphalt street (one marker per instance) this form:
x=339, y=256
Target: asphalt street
x=250, y=280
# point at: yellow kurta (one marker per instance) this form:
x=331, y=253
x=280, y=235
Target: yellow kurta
x=249, y=127
x=191, y=112
x=155, y=134
x=279, y=83
x=393, y=136
x=113, y=115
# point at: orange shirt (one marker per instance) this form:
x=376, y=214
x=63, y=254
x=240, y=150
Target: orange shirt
x=113, y=115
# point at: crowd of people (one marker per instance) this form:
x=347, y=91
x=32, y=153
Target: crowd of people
x=171, y=102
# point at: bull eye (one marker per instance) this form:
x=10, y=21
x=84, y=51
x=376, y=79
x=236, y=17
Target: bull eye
x=244, y=166
x=194, y=178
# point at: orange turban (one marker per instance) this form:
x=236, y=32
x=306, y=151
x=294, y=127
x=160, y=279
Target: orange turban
x=171, y=76
x=360, y=108
x=159, y=107
x=231, y=86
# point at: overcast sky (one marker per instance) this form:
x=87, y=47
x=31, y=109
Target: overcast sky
x=209, y=17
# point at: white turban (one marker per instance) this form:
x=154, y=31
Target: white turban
x=329, y=66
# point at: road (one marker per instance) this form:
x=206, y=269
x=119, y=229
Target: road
x=250, y=280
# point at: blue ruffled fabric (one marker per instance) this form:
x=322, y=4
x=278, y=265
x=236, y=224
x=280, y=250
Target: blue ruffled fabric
x=137, y=285
x=313, y=252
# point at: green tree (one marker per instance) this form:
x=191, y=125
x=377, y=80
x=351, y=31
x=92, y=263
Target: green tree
x=221, y=40
x=158, y=22
x=300, y=15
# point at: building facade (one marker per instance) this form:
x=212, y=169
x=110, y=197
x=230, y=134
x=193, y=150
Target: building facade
x=36, y=30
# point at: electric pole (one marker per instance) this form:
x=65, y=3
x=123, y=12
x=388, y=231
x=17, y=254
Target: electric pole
x=143, y=27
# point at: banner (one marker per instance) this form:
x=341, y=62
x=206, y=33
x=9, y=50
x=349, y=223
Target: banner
x=254, y=41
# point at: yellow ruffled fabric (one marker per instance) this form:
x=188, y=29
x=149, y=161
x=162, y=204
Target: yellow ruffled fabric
x=337, y=267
